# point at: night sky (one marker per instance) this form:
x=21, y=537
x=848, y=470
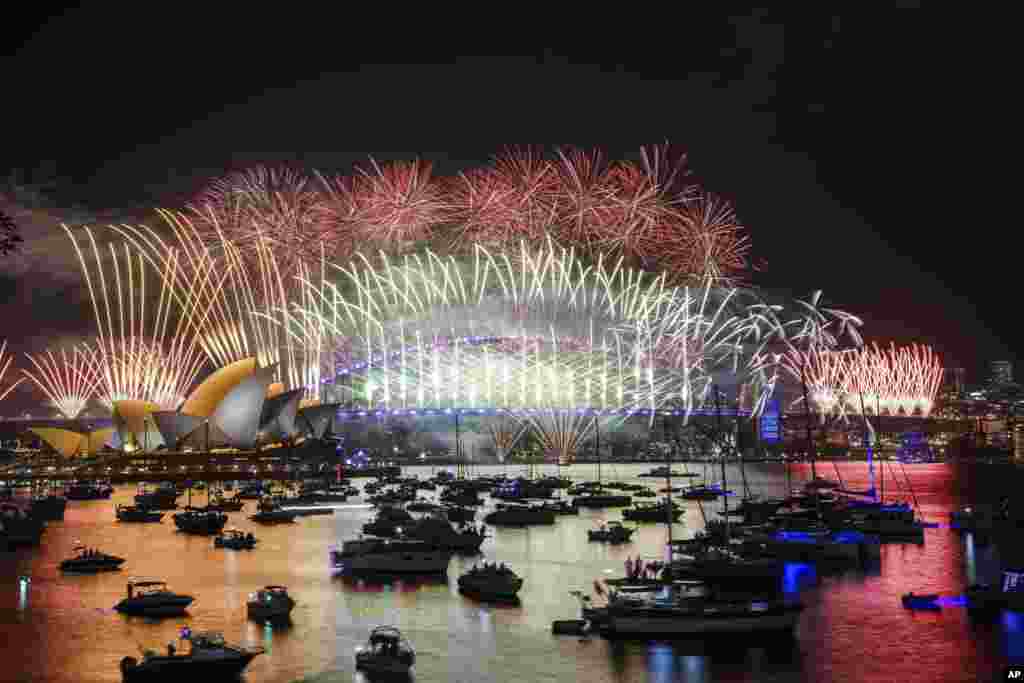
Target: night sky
x=842, y=140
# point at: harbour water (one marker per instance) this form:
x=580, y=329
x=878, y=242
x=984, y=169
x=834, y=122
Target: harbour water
x=63, y=628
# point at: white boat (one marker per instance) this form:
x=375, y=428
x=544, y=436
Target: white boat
x=388, y=556
x=386, y=652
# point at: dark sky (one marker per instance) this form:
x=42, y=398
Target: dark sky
x=843, y=140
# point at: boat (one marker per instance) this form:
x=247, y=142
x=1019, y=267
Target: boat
x=209, y=659
x=663, y=472
x=234, y=539
x=520, y=515
x=18, y=526
x=695, y=608
x=273, y=602
x=461, y=498
x=389, y=522
x=386, y=556
x=702, y=492
x=158, y=500
x=250, y=492
x=200, y=522
x=270, y=512
x=561, y=507
x=596, y=499
x=438, y=531
x=644, y=493
x=815, y=546
x=222, y=504
x=889, y=521
x=491, y=582
x=88, y=491
x=459, y=514
x=923, y=602
x=151, y=598
x=422, y=506
x=89, y=560
x=48, y=508
x=386, y=652
x=718, y=563
x=987, y=598
x=612, y=532
x=656, y=512
x=521, y=489
x=136, y=513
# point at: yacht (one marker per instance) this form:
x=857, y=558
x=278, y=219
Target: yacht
x=684, y=608
x=209, y=659
x=270, y=512
x=233, y=539
x=459, y=514
x=389, y=522
x=48, y=508
x=386, y=652
x=89, y=560
x=136, y=513
x=18, y=526
x=612, y=532
x=520, y=515
x=88, y=491
x=491, y=581
x=151, y=598
x=200, y=522
x=438, y=531
x=273, y=602
x=652, y=512
x=387, y=556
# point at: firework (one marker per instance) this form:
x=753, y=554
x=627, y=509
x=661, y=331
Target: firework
x=704, y=240
x=505, y=432
x=140, y=353
x=513, y=199
x=5, y=363
x=67, y=380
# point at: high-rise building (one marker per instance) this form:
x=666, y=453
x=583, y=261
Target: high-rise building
x=1002, y=372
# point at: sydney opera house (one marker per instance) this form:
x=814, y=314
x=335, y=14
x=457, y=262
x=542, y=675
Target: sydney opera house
x=238, y=407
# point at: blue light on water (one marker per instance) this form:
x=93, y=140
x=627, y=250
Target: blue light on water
x=1013, y=635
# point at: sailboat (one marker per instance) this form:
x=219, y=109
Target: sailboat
x=596, y=498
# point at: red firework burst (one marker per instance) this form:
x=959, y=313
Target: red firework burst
x=512, y=199
x=705, y=241
x=587, y=206
x=275, y=208
x=398, y=203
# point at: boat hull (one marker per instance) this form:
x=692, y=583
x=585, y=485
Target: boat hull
x=433, y=562
x=174, y=668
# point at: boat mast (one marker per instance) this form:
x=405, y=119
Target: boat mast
x=668, y=501
x=597, y=450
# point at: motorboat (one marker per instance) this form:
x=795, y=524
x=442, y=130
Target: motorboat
x=273, y=602
x=521, y=489
x=701, y=492
x=250, y=492
x=422, y=506
x=461, y=498
x=210, y=658
x=270, y=512
x=151, y=598
x=222, y=504
x=18, y=526
x=520, y=515
x=200, y=522
x=48, y=508
x=695, y=608
x=389, y=522
x=438, y=531
x=663, y=472
x=386, y=556
x=136, y=513
x=915, y=601
x=88, y=491
x=561, y=507
x=459, y=514
x=889, y=521
x=386, y=652
x=234, y=539
x=596, y=499
x=89, y=560
x=158, y=500
x=491, y=581
x=612, y=532
x=644, y=493
x=656, y=512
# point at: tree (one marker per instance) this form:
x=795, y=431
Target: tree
x=9, y=235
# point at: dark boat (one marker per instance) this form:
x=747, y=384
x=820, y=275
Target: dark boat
x=151, y=598
x=386, y=653
x=612, y=532
x=561, y=507
x=438, y=531
x=90, y=561
x=233, y=539
x=657, y=512
x=49, y=508
x=520, y=515
x=161, y=499
x=136, y=513
x=388, y=522
x=222, y=504
x=384, y=556
x=88, y=491
x=491, y=582
x=200, y=522
x=924, y=602
x=602, y=500
x=210, y=659
x=702, y=492
x=250, y=492
x=270, y=512
x=459, y=514
x=272, y=603
x=18, y=526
